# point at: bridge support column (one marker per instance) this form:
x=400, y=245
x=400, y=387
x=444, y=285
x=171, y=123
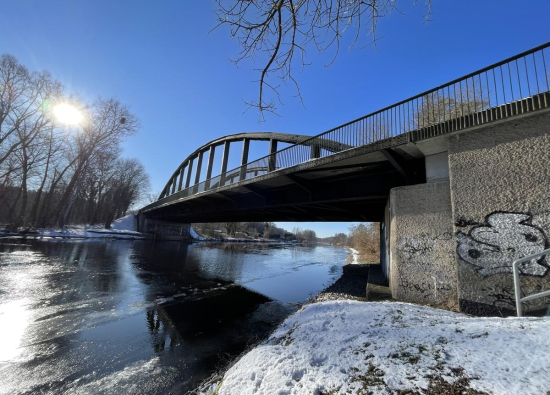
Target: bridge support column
x=180, y=182
x=422, y=267
x=225, y=159
x=211, y=155
x=173, y=185
x=198, y=171
x=244, y=159
x=189, y=171
x=272, y=156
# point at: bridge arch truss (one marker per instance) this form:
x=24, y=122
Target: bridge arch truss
x=183, y=182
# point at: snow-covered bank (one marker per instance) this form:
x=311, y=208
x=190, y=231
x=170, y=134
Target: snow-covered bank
x=348, y=347
x=226, y=239
x=354, y=256
x=122, y=228
x=84, y=232
x=127, y=223
x=196, y=236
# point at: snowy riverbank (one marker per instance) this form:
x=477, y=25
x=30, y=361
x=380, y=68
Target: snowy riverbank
x=354, y=256
x=122, y=228
x=348, y=347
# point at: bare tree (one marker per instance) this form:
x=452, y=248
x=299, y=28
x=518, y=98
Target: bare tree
x=366, y=239
x=462, y=99
x=231, y=228
x=279, y=32
x=52, y=174
x=128, y=183
x=25, y=105
x=25, y=114
x=108, y=123
x=52, y=143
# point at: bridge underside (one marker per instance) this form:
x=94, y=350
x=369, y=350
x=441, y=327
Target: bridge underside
x=350, y=189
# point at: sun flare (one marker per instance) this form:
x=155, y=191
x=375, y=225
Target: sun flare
x=68, y=114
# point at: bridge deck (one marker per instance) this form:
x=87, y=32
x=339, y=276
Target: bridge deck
x=332, y=176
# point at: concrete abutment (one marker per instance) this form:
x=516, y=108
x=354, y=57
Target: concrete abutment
x=162, y=230
x=451, y=242
x=422, y=265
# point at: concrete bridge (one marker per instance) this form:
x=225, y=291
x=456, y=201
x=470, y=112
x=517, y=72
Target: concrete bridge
x=458, y=176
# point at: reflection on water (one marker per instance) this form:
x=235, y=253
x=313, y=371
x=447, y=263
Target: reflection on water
x=139, y=316
x=14, y=318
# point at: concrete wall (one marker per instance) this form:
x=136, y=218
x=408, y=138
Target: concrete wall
x=161, y=230
x=422, y=259
x=500, y=189
x=437, y=167
x=385, y=242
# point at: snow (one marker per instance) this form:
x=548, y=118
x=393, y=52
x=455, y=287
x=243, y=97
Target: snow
x=125, y=223
x=195, y=235
x=122, y=228
x=89, y=232
x=355, y=256
x=350, y=347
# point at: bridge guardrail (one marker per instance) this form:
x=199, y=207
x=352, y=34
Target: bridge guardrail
x=513, y=86
x=517, y=284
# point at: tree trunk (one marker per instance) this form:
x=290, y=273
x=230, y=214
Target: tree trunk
x=64, y=205
x=21, y=219
x=34, y=211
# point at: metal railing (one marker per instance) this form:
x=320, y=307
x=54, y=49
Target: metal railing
x=517, y=284
x=514, y=86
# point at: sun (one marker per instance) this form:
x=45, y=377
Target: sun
x=67, y=114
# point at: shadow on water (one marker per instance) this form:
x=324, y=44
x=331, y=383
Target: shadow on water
x=139, y=316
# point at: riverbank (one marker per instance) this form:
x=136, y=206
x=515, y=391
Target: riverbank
x=352, y=347
x=338, y=344
x=122, y=228
x=350, y=286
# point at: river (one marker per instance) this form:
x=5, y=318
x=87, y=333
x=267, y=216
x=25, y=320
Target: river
x=87, y=317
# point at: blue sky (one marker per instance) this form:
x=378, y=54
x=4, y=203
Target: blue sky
x=159, y=58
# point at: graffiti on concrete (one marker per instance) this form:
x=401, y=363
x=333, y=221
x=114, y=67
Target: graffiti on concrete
x=427, y=261
x=500, y=296
x=427, y=288
x=172, y=230
x=505, y=237
x=416, y=246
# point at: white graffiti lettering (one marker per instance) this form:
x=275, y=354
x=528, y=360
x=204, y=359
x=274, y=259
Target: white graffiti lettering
x=506, y=237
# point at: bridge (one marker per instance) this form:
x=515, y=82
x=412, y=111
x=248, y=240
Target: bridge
x=457, y=176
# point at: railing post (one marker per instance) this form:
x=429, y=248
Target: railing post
x=225, y=158
x=517, y=287
x=272, y=155
x=209, y=168
x=244, y=158
x=315, y=151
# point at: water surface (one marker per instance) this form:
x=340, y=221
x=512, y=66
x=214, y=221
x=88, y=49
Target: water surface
x=143, y=317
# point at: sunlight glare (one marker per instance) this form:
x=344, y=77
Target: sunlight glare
x=67, y=114
x=15, y=319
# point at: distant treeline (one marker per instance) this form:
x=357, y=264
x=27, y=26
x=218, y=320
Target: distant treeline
x=364, y=237
x=53, y=174
x=266, y=230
